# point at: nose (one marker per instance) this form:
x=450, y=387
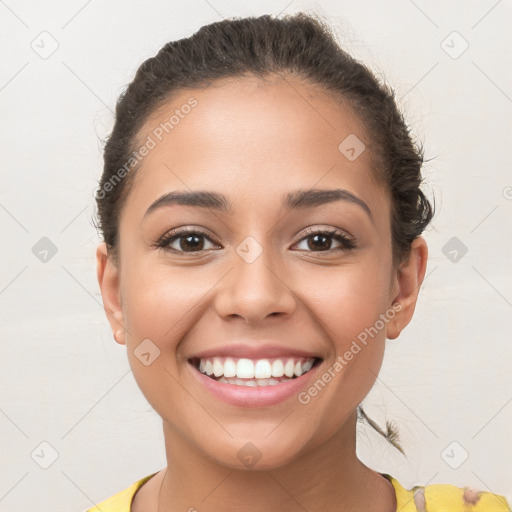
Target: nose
x=254, y=290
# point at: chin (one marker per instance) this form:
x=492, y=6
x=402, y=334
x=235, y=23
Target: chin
x=255, y=454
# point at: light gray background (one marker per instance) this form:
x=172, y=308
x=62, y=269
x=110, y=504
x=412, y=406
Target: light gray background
x=64, y=381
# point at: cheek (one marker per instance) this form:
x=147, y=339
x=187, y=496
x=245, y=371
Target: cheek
x=158, y=306
x=349, y=300
x=348, y=304
x=159, y=300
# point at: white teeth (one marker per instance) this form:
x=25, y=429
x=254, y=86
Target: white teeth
x=264, y=372
x=307, y=365
x=289, y=367
x=245, y=369
x=268, y=382
x=253, y=382
x=229, y=367
x=218, y=367
x=277, y=368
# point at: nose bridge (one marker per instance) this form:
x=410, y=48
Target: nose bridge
x=253, y=288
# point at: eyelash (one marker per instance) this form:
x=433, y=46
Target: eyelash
x=347, y=242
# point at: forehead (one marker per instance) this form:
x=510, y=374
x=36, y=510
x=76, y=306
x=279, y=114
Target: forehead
x=283, y=109
x=257, y=136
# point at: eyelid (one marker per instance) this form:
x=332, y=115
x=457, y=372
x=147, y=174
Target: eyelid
x=347, y=242
x=176, y=233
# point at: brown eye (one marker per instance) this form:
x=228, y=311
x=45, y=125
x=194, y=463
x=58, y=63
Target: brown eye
x=185, y=241
x=321, y=240
x=190, y=242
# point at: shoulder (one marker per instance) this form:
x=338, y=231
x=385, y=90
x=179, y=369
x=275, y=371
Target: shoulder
x=121, y=502
x=447, y=498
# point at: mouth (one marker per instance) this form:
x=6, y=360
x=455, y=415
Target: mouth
x=254, y=372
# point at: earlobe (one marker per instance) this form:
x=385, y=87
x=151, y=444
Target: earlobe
x=108, y=280
x=409, y=278
x=119, y=337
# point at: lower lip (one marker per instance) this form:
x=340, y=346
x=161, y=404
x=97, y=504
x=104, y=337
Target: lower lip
x=253, y=396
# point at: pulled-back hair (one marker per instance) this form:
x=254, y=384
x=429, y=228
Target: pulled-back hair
x=296, y=45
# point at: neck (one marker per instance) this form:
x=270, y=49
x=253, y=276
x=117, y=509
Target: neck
x=329, y=478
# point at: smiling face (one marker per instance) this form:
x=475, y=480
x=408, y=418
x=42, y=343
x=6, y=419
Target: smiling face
x=271, y=268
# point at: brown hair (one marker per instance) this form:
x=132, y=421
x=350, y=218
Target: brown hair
x=298, y=45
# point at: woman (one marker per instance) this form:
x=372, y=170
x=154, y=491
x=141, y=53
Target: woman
x=262, y=215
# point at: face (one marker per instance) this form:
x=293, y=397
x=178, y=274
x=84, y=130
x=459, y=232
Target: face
x=264, y=273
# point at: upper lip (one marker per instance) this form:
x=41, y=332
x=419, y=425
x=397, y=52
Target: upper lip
x=254, y=351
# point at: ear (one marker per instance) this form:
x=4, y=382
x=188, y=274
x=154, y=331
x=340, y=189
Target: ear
x=408, y=281
x=108, y=279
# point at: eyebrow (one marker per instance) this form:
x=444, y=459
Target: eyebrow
x=300, y=199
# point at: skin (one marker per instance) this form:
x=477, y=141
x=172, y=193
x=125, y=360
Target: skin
x=255, y=141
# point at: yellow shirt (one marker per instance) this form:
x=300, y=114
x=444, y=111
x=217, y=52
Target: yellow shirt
x=437, y=497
